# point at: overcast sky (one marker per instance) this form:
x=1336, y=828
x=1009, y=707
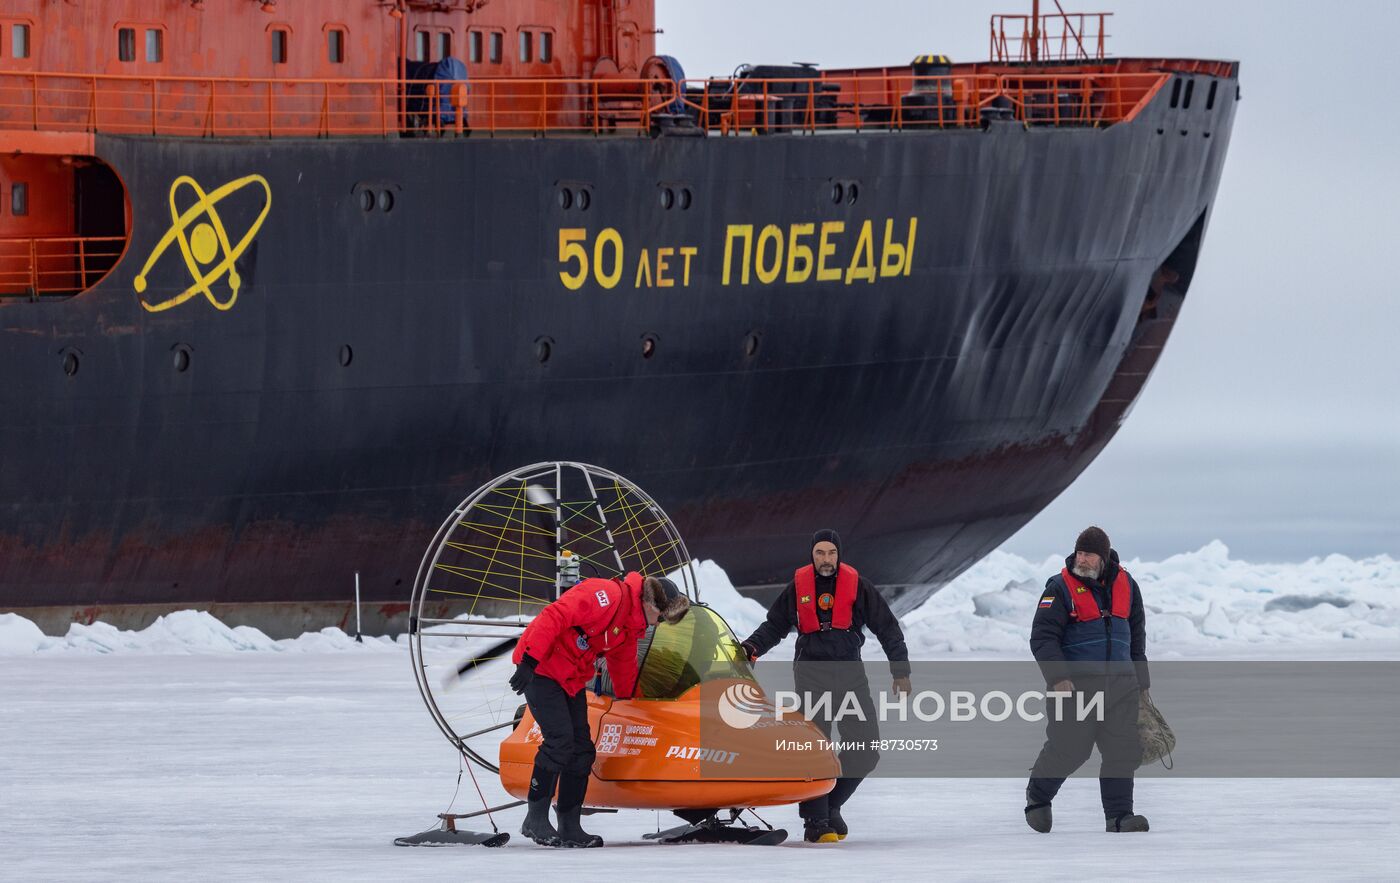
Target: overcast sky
x=1272, y=421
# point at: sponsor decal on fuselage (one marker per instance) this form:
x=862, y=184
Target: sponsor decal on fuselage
x=693, y=752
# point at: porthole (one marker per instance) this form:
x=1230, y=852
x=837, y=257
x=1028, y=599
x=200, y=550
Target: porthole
x=852, y=193
x=544, y=348
x=347, y=355
x=838, y=193
x=386, y=201
x=181, y=358
x=367, y=200
x=668, y=198
x=575, y=197
x=686, y=199
x=71, y=363
x=751, y=344
x=648, y=346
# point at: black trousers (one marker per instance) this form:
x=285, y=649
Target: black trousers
x=568, y=743
x=1069, y=742
x=858, y=756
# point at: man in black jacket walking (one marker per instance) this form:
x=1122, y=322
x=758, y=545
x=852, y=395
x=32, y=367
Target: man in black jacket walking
x=830, y=603
x=1090, y=636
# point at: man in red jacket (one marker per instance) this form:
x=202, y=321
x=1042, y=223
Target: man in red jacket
x=555, y=659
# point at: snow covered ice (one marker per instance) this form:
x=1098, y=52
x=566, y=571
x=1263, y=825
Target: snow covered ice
x=191, y=749
x=1200, y=605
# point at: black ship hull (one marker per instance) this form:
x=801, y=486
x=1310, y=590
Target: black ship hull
x=376, y=365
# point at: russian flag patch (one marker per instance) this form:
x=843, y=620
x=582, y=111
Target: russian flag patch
x=1047, y=601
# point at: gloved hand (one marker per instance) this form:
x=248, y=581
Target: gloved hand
x=750, y=651
x=524, y=673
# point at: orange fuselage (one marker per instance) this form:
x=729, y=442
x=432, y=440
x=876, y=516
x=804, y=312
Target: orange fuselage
x=657, y=754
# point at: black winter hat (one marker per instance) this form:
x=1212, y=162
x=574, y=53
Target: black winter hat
x=826, y=535
x=667, y=597
x=668, y=589
x=1093, y=539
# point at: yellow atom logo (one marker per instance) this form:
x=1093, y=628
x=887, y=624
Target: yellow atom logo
x=206, y=248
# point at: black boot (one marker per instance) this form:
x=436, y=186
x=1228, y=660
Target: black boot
x=837, y=823
x=819, y=831
x=537, y=826
x=1124, y=822
x=572, y=789
x=571, y=834
x=1038, y=816
x=836, y=799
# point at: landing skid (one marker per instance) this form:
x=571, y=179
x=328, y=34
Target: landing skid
x=714, y=830
x=448, y=835
x=452, y=837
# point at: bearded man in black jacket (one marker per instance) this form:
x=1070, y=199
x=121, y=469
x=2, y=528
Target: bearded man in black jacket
x=1090, y=637
x=830, y=604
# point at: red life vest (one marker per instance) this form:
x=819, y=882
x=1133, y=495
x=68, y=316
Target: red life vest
x=1085, y=606
x=840, y=605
